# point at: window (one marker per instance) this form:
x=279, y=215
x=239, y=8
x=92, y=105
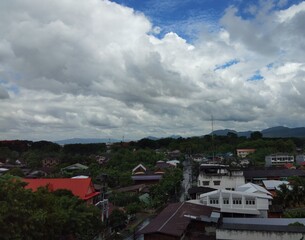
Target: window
x=225, y=201
x=205, y=183
x=250, y=202
x=213, y=201
x=237, y=201
x=216, y=183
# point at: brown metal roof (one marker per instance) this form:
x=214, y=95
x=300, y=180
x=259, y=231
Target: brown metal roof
x=171, y=220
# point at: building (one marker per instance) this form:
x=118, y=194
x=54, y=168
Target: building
x=278, y=159
x=300, y=159
x=140, y=175
x=80, y=187
x=249, y=200
x=264, y=229
x=50, y=162
x=244, y=152
x=257, y=176
x=219, y=177
x=175, y=221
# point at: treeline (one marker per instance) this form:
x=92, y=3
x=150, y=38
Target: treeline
x=34, y=152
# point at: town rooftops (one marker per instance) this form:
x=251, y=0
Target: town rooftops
x=273, y=173
x=76, y=166
x=252, y=188
x=273, y=184
x=80, y=187
x=173, y=221
x=264, y=224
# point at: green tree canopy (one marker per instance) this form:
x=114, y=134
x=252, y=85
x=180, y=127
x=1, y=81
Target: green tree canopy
x=42, y=214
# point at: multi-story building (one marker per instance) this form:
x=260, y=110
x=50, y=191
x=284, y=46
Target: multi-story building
x=219, y=177
x=248, y=200
x=278, y=159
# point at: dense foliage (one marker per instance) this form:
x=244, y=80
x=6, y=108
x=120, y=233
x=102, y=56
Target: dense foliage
x=44, y=215
x=293, y=195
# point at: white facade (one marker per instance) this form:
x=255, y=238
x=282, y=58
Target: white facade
x=278, y=159
x=219, y=177
x=256, y=204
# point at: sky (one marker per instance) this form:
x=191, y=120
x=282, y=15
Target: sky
x=138, y=68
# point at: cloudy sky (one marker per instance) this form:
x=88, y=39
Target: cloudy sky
x=135, y=68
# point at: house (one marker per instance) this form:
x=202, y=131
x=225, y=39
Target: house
x=264, y=229
x=175, y=220
x=258, y=175
x=80, y=187
x=50, y=162
x=278, y=159
x=250, y=200
x=244, y=152
x=133, y=189
x=140, y=175
x=76, y=168
x=219, y=176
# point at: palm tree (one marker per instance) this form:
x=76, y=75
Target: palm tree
x=283, y=196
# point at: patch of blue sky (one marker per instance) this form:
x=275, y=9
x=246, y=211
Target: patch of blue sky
x=256, y=77
x=14, y=88
x=186, y=17
x=227, y=64
x=9, y=87
x=270, y=66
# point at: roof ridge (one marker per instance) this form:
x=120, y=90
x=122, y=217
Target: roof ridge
x=171, y=217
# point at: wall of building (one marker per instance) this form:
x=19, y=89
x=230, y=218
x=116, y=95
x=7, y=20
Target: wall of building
x=222, y=234
x=226, y=182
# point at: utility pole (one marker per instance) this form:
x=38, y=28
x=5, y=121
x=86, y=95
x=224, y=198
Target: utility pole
x=212, y=120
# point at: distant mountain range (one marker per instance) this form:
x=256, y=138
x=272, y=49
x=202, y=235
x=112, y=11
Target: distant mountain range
x=274, y=132
x=86, y=140
x=101, y=140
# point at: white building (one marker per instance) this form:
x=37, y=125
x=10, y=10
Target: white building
x=278, y=159
x=219, y=177
x=238, y=203
x=244, y=152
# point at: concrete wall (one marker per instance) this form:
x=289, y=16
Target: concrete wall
x=222, y=234
x=226, y=182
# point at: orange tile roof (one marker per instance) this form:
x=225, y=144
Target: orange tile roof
x=80, y=187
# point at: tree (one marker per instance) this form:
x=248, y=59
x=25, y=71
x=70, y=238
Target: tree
x=117, y=219
x=256, y=135
x=44, y=215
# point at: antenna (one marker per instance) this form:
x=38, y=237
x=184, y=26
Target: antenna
x=212, y=122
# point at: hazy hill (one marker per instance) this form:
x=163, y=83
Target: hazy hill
x=273, y=132
x=86, y=140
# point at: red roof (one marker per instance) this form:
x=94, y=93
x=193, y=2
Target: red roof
x=80, y=187
x=288, y=165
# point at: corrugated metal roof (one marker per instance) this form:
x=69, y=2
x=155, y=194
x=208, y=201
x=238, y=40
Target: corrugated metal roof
x=171, y=220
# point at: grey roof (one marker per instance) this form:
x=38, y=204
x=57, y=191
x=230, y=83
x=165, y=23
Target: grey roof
x=265, y=173
x=273, y=184
x=266, y=228
x=264, y=221
x=146, y=177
